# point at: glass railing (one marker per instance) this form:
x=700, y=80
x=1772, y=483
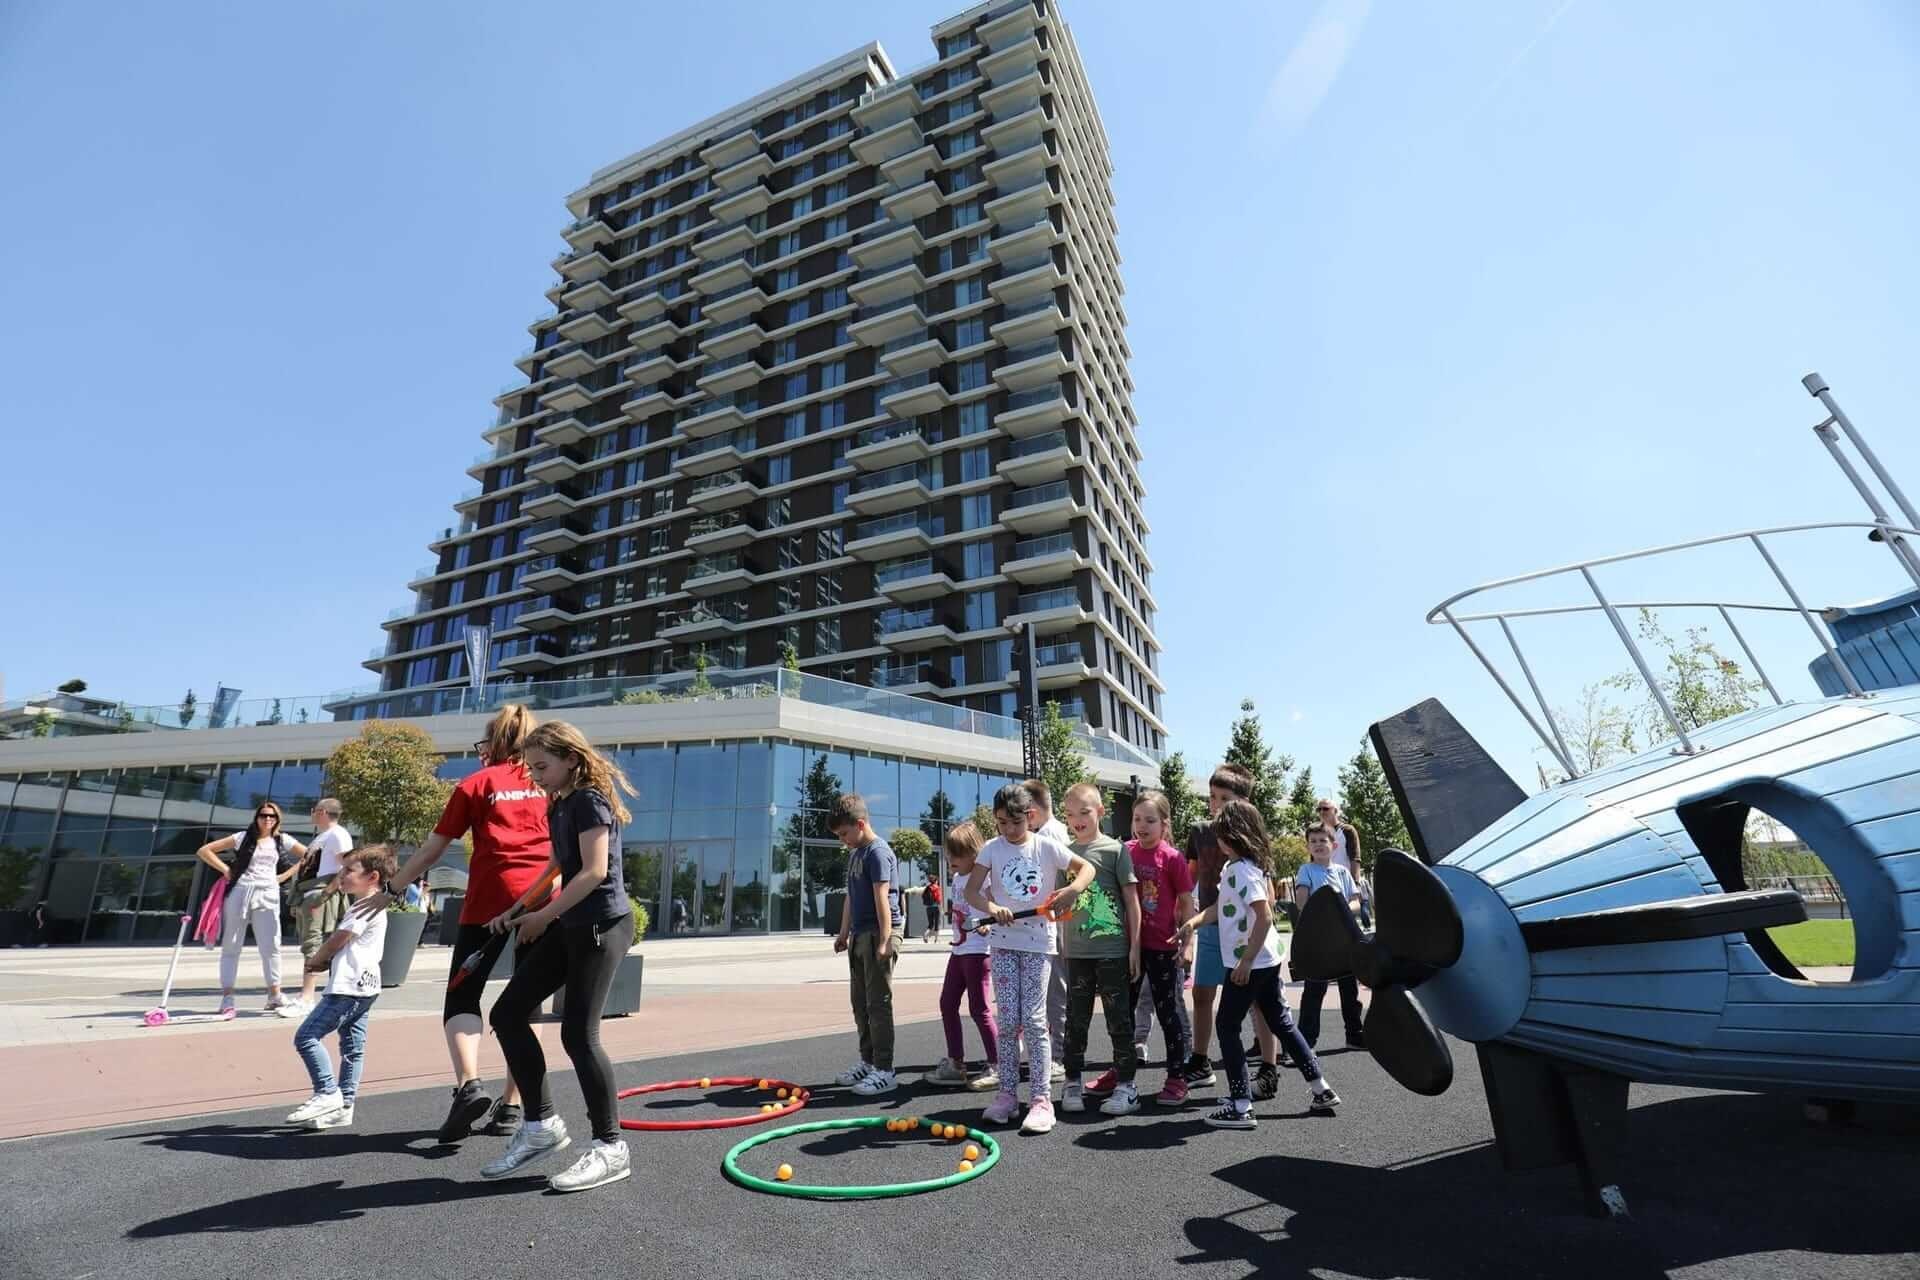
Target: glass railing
x=1037, y=396
x=708, y=566
x=886, y=677
x=898, y=523
x=1054, y=655
x=1028, y=263
x=1054, y=598
x=885, y=308
x=1031, y=351
x=724, y=610
x=901, y=570
x=1028, y=308
x=917, y=338
x=910, y=382
x=719, y=524
x=731, y=326
x=902, y=474
x=719, y=480
x=889, y=622
x=729, y=362
x=1033, y=548
x=1038, y=444
x=1037, y=494
x=884, y=432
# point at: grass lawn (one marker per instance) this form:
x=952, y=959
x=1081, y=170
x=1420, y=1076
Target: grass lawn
x=1816, y=942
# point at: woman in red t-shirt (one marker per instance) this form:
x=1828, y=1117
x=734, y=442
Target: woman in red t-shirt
x=506, y=815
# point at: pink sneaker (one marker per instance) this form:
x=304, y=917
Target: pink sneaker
x=1105, y=1083
x=1173, y=1093
x=1001, y=1109
x=1039, y=1117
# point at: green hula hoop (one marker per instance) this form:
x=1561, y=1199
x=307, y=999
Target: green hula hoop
x=731, y=1165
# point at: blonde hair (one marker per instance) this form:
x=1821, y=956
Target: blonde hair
x=507, y=733
x=591, y=770
x=1158, y=799
x=963, y=841
x=1086, y=789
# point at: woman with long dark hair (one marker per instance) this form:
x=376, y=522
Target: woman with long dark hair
x=263, y=859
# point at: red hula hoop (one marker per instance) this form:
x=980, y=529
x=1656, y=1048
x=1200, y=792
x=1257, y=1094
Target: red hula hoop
x=796, y=1099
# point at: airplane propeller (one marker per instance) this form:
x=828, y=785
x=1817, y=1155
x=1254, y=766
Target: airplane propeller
x=1419, y=934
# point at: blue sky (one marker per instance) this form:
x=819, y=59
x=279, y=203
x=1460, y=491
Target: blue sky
x=1420, y=296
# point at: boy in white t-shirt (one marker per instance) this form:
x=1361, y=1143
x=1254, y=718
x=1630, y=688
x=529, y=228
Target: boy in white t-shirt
x=1320, y=872
x=351, y=959
x=318, y=900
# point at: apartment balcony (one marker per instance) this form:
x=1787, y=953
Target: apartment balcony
x=1027, y=280
x=916, y=201
x=726, y=532
x=909, y=170
x=730, y=148
x=562, y=431
x=913, y=580
x=645, y=306
x=1051, y=611
x=889, y=537
x=1016, y=168
x=714, y=418
x=1013, y=95
x=1033, y=365
x=1039, y=459
x=709, y=457
x=732, y=338
x=594, y=324
x=1021, y=125
x=896, y=245
x=584, y=233
x=729, y=273
x=1008, y=28
x=580, y=265
x=913, y=395
x=647, y=400
x=548, y=504
x=1041, y=509
x=544, y=613
x=731, y=373
x=650, y=369
x=569, y=397
x=913, y=678
x=534, y=653
x=725, y=239
x=654, y=335
x=890, y=285
x=731, y=304
x=1023, y=242
x=1017, y=204
x=722, y=492
x=890, y=444
x=1028, y=322
x=882, y=322
x=1061, y=666
x=551, y=466
x=704, y=621
x=742, y=174
x=590, y=296
x=1011, y=62
x=1031, y=413
x=886, y=105
x=743, y=204
x=548, y=574
x=894, y=489
x=1051, y=558
x=552, y=536
x=715, y=574
x=912, y=630
x=571, y=362
x=912, y=352
x=882, y=145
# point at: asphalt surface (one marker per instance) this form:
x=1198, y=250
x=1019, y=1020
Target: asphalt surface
x=1724, y=1185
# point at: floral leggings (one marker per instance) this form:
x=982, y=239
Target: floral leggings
x=1020, y=1005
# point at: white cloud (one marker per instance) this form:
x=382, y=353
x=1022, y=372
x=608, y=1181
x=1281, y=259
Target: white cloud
x=1314, y=63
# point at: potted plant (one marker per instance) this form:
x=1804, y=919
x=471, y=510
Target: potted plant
x=623, y=997
x=389, y=794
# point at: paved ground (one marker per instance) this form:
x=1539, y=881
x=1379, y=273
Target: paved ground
x=1728, y=1185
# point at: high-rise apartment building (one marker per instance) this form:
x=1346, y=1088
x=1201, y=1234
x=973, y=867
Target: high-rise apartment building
x=839, y=374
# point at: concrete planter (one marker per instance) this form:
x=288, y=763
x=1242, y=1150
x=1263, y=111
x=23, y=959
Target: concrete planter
x=403, y=939
x=623, y=997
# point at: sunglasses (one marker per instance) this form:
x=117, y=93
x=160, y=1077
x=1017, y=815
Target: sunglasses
x=266, y=813
x=480, y=747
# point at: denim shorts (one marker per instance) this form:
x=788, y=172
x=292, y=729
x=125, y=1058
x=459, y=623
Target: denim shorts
x=1208, y=971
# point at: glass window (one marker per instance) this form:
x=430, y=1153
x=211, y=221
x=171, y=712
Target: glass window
x=974, y=464
x=790, y=765
x=704, y=778
x=755, y=786
x=877, y=779
x=115, y=895
x=297, y=788
x=650, y=770
x=179, y=839
x=78, y=837
x=128, y=838
x=164, y=898
x=976, y=511
x=190, y=791
x=701, y=824
x=983, y=610
x=979, y=559
x=973, y=418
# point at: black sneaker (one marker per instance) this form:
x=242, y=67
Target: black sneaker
x=1356, y=1040
x=504, y=1122
x=470, y=1102
x=1323, y=1103
x=1266, y=1082
x=1197, y=1072
x=1227, y=1116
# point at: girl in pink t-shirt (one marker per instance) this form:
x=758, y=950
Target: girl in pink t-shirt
x=1166, y=899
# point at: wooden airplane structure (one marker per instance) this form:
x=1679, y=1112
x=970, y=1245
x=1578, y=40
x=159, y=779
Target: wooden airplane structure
x=1602, y=932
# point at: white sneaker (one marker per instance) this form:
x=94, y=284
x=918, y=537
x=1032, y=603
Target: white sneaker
x=1124, y=1102
x=986, y=1082
x=291, y=1009
x=318, y=1105
x=875, y=1081
x=1056, y=1072
x=603, y=1163
x=341, y=1119
x=1073, y=1098
x=528, y=1145
x=855, y=1073
x=1039, y=1118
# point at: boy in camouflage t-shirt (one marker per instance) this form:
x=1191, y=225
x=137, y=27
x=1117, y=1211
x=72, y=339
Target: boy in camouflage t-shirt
x=1101, y=946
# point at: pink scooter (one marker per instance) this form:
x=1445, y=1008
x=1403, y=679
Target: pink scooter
x=158, y=1016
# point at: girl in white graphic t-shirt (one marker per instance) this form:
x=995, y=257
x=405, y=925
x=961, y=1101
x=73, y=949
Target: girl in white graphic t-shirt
x=1250, y=952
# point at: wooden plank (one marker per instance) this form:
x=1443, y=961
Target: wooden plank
x=1686, y=1029
x=1684, y=992
x=1904, y=868
x=1692, y=954
x=1882, y=1047
x=1830, y=718
x=1540, y=817
x=1598, y=830
x=1899, y=665
x=1633, y=856
x=1782, y=762
x=1895, y=790
x=1658, y=886
x=1842, y=776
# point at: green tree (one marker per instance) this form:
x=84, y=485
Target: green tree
x=1597, y=730
x=938, y=816
x=187, y=704
x=74, y=686
x=42, y=725
x=384, y=780
x=1247, y=747
x=789, y=656
x=1298, y=814
x=983, y=823
x=276, y=716
x=1368, y=803
x=911, y=846
x=1289, y=855
x=1701, y=684
x=701, y=685
x=1061, y=764
x=1183, y=798
x=123, y=720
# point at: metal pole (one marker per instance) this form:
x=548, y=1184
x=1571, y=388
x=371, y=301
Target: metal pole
x=1748, y=650
x=1566, y=756
x=1653, y=686
x=1833, y=656
x=1507, y=689
x=1817, y=388
x=1895, y=542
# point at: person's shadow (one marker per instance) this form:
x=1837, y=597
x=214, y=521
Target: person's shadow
x=286, y=1142
x=1713, y=1177
x=323, y=1204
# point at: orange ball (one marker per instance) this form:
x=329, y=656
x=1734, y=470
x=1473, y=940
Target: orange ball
x=781, y=1094
x=891, y=1126
x=784, y=1172
x=766, y=1106
x=706, y=1082
x=972, y=1152
x=913, y=1122
x=763, y=1084
x=966, y=1166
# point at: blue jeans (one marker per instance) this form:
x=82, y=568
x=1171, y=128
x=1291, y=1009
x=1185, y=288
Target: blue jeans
x=348, y=1016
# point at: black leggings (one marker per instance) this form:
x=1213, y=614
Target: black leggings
x=1262, y=991
x=465, y=998
x=1159, y=970
x=581, y=958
